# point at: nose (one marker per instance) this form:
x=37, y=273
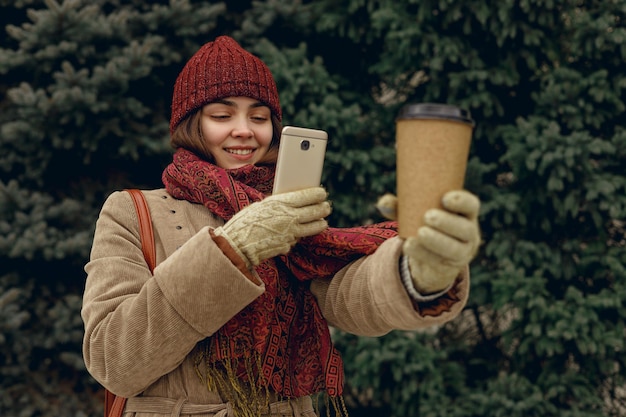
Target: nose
x=242, y=129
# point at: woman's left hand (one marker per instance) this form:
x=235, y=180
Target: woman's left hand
x=446, y=243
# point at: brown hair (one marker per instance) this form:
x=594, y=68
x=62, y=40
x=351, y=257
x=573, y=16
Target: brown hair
x=188, y=135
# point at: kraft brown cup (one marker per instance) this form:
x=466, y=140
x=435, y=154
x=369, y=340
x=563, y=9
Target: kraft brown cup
x=432, y=145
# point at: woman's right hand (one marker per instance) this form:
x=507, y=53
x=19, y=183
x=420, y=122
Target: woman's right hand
x=270, y=227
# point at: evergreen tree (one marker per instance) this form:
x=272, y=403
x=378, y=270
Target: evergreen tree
x=85, y=90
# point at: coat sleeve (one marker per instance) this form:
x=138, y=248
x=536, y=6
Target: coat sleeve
x=139, y=327
x=367, y=296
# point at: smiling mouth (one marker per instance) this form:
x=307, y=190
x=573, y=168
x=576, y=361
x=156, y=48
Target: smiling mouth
x=240, y=151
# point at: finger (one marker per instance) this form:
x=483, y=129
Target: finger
x=455, y=252
x=301, y=198
x=311, y=228
x=459, y=227
x=311, y=213
x=387, y=206
x=413, y=248
x=462, y=202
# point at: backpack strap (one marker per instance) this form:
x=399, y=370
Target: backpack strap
x=114, y=404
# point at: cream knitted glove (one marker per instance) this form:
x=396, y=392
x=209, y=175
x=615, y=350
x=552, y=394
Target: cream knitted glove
x=270, y=227
x=448, y=241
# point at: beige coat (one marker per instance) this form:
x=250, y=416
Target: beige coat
x=141, y=330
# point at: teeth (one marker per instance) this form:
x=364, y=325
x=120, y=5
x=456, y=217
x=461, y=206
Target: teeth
x=239, y=151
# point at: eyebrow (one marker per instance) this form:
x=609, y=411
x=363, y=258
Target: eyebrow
x=233, y=104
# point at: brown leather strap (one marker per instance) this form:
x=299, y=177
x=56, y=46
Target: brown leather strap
x=109, y=399
x=145, y=227
x=117, y=409
x=113, y=404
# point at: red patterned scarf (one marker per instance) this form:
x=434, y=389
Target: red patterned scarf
x=284, y=327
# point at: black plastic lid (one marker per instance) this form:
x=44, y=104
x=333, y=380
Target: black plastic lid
x=435, y=111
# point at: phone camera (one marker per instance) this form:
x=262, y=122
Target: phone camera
x=305, y=145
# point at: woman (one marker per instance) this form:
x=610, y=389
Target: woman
x=234, y=321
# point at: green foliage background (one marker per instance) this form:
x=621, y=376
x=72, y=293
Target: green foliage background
x=85, y=91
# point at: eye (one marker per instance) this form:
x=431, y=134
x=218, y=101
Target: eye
x=260, y=114
x=217, y=111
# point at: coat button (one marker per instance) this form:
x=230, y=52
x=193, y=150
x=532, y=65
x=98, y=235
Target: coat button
x=179, y=227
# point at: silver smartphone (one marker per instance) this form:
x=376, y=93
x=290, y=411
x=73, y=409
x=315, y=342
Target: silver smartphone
x=300, y=159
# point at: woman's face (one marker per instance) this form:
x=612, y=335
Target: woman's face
x=237, y=130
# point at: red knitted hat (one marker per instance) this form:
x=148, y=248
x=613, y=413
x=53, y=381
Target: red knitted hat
x=222, y=69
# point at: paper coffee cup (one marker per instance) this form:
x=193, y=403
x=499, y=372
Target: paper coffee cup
x=432, y=145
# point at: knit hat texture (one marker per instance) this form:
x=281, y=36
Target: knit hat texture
x=220, y=69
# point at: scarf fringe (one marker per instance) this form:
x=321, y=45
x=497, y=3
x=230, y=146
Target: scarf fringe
x=251, y=399
x=338, y=406
x=248, y=399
